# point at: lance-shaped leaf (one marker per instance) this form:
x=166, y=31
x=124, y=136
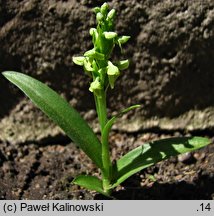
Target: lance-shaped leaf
x=60, y=112
x=151, y=153
x=110, y=123
x=90, y=182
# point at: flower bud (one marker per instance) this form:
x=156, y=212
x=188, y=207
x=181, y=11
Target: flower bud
x=78, y=60
x=99, y=17
x=111, y=15
x=122, y=65
x=92, y=31
x=110, y=35
x=97, y=10
x=104, y=8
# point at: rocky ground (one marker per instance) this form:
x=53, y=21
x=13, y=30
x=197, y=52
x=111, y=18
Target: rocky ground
x=45, y=170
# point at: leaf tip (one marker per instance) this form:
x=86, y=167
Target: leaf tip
x=6, y=73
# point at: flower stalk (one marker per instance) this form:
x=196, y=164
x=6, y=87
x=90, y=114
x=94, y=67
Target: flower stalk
x=97, y=64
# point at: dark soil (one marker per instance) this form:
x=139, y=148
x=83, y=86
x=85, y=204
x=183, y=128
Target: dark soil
x=45, y=170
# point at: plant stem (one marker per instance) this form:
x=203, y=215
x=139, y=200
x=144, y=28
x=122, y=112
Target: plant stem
x=102, y=116
x=101, y=110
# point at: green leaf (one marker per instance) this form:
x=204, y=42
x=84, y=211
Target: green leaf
x=89, y=182
x=60, y=112
x=153, y=152
x=110, y=123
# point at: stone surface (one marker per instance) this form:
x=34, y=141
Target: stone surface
x=171, y=71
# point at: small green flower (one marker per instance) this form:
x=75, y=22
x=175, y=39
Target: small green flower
x=94, y=54
x=122, y=65
x=123, y=39
x=78, y=60
x=87, y=66
x=99, y=17
x=97, y=10
x=93, y=31
x=113, y=73
x=95, y=61
x=110, y=35
x=96, y=87
x=104, y=9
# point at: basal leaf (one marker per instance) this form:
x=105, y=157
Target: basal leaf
x=89, y=182
x=153, y=152
x=60, y=112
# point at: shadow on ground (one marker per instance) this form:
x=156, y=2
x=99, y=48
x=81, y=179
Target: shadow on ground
x=203, y=188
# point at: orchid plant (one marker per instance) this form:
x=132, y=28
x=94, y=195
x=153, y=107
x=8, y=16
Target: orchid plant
x=104, y=72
